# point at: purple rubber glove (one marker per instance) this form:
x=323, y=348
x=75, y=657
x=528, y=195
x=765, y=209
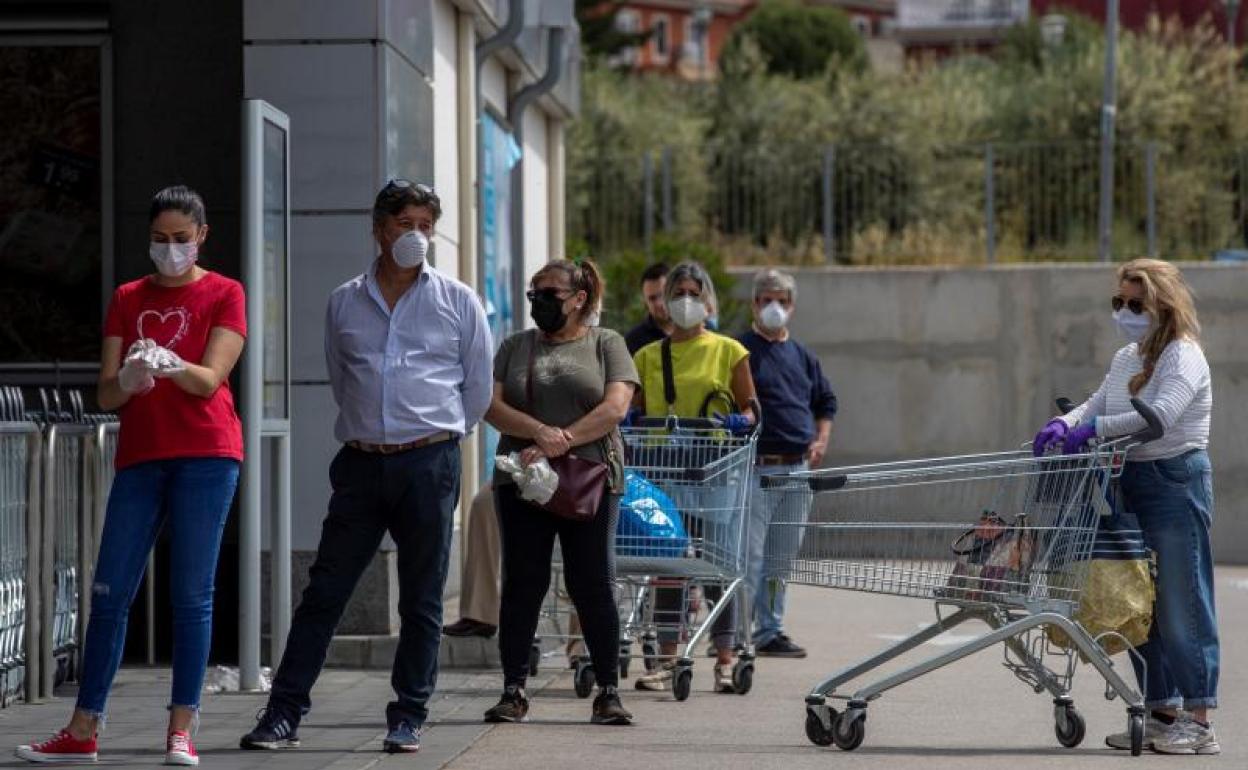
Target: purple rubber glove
x=736, y=424
x=1053, y=432
x=1078, y=437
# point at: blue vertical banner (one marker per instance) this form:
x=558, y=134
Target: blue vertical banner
x=500, y=153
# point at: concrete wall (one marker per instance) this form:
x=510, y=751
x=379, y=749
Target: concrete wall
x=928, y=362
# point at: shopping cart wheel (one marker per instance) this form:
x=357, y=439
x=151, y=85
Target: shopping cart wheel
x=682, y=683
x=849, y=729
x=1068, y=724
x=583, y=679
x=743, y=676
x=535, y=659
x=819, y=730
x=1135, y=726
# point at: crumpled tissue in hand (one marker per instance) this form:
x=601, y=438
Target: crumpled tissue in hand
x=537, y=481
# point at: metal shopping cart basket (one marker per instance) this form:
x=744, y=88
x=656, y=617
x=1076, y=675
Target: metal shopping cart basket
x=901, y=529
x=705, y=471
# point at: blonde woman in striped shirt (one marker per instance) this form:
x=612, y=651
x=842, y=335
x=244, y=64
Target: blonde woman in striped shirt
x=1168, y=484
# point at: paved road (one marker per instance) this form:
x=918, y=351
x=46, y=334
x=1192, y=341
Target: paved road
x=971, y=715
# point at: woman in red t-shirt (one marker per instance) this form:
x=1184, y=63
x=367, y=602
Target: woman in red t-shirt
x=171, y=340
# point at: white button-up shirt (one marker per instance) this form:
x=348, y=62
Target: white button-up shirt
x=402, y=375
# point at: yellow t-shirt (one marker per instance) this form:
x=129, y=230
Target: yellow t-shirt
x=701, y=367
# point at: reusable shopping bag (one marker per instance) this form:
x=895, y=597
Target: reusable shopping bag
x=650, y=525
x=994, y=558
x=1118, y=591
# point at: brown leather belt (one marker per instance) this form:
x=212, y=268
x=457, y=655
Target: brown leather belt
x=779, y=459
x=394, y=449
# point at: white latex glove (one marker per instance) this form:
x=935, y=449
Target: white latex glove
x=134, y=377
x=164, y=362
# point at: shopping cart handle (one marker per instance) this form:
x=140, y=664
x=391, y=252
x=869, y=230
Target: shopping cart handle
x=1155, y=429
x=695, y=423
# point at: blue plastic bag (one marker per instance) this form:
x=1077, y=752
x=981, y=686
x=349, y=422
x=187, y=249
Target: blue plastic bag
x=650, y=525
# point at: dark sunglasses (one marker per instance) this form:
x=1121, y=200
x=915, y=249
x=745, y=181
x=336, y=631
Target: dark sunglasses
x=1134, y=305
x=548, y=293
x=407, y=184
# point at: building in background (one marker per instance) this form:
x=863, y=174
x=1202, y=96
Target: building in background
x=686, y=36
x=926, y=28
x=106, y=101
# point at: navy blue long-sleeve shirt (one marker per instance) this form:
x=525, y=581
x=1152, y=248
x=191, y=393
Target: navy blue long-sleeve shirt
x=792, y=390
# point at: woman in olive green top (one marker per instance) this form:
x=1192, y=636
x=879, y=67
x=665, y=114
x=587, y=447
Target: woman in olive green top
x=578, y=391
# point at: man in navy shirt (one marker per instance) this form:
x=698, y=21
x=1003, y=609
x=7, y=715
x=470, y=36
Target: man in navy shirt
x=657, y=323
x=798, y=406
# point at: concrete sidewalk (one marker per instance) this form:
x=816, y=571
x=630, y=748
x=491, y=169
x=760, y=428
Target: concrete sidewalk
x=343, y=732
x=971, y=715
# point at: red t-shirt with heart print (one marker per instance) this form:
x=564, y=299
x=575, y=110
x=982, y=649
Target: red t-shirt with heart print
x=167, y=422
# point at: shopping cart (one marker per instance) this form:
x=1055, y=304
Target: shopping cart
x=705, y=471
x=901, y=529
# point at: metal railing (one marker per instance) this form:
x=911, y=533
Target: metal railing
x=55, y=470
x=877, y=204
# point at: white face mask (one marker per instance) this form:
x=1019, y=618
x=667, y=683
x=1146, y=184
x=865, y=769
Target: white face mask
x=410, y=249
x=773, y=317
x=1132, y=327
x=687, y=312
x=173, y=259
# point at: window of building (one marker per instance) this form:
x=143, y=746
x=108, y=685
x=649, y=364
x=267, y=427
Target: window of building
x=694, y=46
x=659, y=38
x=862, y=25
x=629, y=22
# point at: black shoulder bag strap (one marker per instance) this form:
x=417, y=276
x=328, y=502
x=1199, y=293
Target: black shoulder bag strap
x=669, y=379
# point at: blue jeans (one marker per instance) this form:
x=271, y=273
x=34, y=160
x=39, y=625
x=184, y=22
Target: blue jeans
x=1173, y=499
x=782, y=545
x=194, y=496
x=412, y=495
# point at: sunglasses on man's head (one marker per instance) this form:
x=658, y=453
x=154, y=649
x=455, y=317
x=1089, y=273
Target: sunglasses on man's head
x=1134, y=305
x=406, y=184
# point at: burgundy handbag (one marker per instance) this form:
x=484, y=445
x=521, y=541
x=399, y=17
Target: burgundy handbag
x=581, y=481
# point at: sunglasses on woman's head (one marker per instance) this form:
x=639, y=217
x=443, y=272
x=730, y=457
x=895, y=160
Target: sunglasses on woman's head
x=551, y=292
x=1134, y=305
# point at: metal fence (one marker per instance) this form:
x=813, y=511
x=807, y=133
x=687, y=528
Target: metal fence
x=55, y=469
x=876, y=204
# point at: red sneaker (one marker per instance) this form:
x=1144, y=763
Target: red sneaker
x=179, y=750
x=61, y=747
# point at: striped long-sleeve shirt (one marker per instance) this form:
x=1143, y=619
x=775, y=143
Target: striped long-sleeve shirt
x=1179, y=390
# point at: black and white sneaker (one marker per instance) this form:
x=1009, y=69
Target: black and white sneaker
x=274, y=730
x=608, y=710
x=780, y=647
x=512, y=707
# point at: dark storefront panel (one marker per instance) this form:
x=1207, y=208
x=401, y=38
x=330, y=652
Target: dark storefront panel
x=50, y=215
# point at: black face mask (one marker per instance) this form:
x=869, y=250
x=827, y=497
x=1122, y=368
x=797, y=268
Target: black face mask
x=547, y=313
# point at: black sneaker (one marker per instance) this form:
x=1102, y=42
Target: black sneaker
x=608, y=710
x=781, y=647
x=402, y=738
x=274, y=730
x=512, y=707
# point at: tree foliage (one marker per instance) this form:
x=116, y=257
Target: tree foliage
x=600, y=37
x=797, y=40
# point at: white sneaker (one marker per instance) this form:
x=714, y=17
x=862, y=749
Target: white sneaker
x=723, y=678
x=657, y=680
x=1187, y=736
x=1153, y=729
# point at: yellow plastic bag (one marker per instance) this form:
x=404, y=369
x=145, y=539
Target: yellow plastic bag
x=1118, y=591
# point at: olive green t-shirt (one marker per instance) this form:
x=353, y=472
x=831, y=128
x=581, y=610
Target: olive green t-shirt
x=569, y=381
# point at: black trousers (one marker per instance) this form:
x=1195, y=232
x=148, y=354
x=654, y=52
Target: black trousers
x=412, y=496
x=588, y=547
